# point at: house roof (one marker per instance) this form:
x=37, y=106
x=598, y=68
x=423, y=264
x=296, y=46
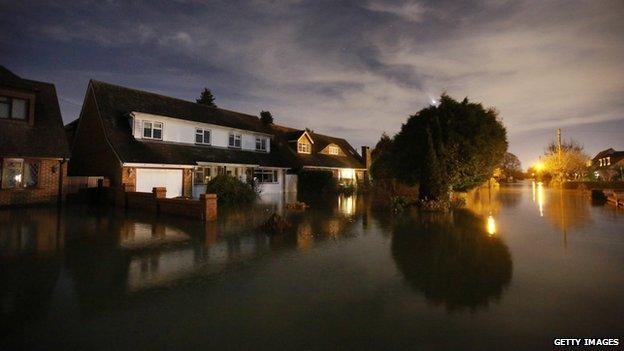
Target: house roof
x=285, y=135
x=609, y=152
x=45, y=137
x=615, y=156
x=115, y=102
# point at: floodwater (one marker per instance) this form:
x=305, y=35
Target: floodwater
x=521, y=266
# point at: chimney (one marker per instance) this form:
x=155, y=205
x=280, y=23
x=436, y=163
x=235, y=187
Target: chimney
x=366, y=156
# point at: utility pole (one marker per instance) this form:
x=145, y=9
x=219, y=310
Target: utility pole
x=559, y=141
x=559, y=160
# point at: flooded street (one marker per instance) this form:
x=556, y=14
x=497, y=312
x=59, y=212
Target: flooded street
x=520, y=266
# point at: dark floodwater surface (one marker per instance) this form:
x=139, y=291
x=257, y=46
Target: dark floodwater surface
x=521, y=266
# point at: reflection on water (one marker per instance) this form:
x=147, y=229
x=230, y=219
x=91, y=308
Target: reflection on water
x=538, y=196
x=344, y=276
x=491, y=225
x=451, y=259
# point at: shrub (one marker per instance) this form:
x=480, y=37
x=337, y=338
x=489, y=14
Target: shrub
x=398, y=204
x=231, y=190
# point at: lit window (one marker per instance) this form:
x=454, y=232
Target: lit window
x=202, y=175
x=17, y=173
x=152, y=130
x=261, y=144
x=265, y=176
x=333, y=150
x=235, y=140
x=608, y=161
x=202, y=136
x=13, y=108
x=303, y=148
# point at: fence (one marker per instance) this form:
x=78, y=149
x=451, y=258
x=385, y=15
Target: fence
x=205, y=208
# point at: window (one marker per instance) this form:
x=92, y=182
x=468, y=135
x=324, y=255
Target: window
x=202, y=136
x=608, y=161
x=152, y=130
x=334, y=150
x=235, y=140
x=261, y=144
x=17, y=173
x=266, y=176
x=202, y=175
x=13, y=108
x=304, y=148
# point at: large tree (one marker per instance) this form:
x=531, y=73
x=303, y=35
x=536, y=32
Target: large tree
x=452, y=146
x=511, y=166
x=382, y=167
x=568, y=163
x=206, y=98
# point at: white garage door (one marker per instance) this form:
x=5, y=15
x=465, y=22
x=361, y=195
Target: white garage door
x=147, y=179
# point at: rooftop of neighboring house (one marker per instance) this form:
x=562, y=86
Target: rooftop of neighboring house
x=614, y=156
x=287, y=139
x=40, y=133
x=115, y=103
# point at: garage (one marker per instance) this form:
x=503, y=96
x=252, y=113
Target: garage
x=149, y=178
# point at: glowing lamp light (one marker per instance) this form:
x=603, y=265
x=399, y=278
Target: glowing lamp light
x=18, y=178
x=539, y=166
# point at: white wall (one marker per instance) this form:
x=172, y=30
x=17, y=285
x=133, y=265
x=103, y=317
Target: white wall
x=182, y=131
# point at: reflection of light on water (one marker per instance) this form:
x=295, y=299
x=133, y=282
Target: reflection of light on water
x=533, y=190
x=346, y=205
x=540, y=198
x=491, y=225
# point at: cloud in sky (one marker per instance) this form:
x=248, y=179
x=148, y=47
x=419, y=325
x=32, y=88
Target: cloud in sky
x=355, y=67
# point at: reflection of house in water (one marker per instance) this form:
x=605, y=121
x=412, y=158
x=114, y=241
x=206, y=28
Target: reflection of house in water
x=30, y=240
x=107, y=258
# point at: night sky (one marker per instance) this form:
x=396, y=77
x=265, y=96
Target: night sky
x=350, y=68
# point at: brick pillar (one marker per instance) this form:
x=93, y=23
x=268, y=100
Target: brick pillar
x=159, y=192
x=209, y=206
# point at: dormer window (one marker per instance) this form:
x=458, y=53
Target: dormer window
x=304, y=148
x=333, y=150
x=152, y=130
x=261, y=144
x=13, y=108
x=235, y=140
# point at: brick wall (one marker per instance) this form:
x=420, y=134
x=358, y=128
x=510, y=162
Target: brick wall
x=128, y=178
x=91, y=153
x=47, y=188
x=187, y=183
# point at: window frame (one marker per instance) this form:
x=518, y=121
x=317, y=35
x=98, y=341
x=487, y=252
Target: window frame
x=152, y=128
x=259, y=173
x=21, y=183
x=234, y=136
x=29, y=98
x=333, y=150
x=202, y=132
x=263, y=144
x=304, y=148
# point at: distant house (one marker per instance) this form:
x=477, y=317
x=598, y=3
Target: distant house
x=33, y=147
x=306, y=150
x=609, y=164
x=140, y=140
